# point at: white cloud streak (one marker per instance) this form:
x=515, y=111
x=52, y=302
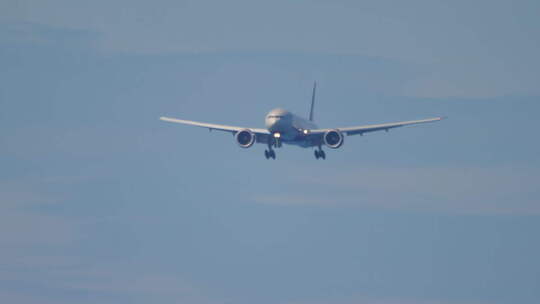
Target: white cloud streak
x=500, y=190
x=466, y=51
x=365, y=300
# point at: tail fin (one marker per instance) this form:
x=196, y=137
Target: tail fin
x=312, y=101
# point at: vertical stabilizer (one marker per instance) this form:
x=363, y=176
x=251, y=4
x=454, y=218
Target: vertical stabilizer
x=312, y=101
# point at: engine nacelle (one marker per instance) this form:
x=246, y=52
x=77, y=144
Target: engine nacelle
x=333, y=139
x=245, y=138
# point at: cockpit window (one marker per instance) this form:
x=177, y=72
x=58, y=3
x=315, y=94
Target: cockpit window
x=275, y=116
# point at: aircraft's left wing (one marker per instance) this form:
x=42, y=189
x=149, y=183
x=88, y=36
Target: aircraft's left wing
x=262, y=134
x=371, y=128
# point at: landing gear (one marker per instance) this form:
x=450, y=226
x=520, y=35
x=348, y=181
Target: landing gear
x=270, y=154
x=320, y=154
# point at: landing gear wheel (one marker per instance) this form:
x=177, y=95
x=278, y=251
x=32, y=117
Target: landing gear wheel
x=320, y=154
x=266, y=154
x=272, y=154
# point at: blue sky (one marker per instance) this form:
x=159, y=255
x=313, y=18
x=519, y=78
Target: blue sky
x=102, y=202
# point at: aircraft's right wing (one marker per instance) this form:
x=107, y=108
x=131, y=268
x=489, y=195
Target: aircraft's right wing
x=262, y=134
x=371, y=128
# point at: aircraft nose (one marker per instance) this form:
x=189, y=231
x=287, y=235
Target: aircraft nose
x=270, y=121
x=274, y=123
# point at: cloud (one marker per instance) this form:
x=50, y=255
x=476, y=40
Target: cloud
x=108, y=283
x=385, y=301
x=33, y=34
x=365, y=300
x=21, y=225
x=43, y=251
x=499, y=190
x=467, y=53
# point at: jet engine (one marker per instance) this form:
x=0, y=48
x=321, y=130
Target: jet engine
x=333, y=139
x=245, y=138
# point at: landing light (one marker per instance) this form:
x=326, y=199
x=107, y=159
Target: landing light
x=277, y=135
x=306, y=132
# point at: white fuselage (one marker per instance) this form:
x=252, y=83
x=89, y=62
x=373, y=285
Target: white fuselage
x=289, y=127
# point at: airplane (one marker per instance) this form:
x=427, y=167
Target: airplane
x=284, y=127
